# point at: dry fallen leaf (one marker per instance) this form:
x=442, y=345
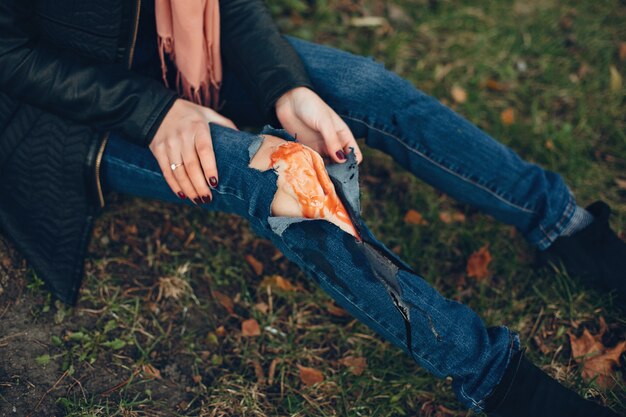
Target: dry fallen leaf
x=276, y=282
x=255, y=264
x=478, y=263
x=597, y=360
x=367, y=21
x=272, y=371
x=225, y=301
x=150, y=372
x=458, y=94
x=494, y=85
x=621, y=183
x=413, y=217
x=356, y=364
x=172, y=287
x=220, y=331
x=310, y=376
x=250, y=328
x=616, y=79
x=258, y=371
x=335, y=310
x=508, y=116
x=451, y=216
x=262, y=307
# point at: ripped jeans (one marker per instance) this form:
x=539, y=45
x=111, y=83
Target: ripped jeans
x=365, y=278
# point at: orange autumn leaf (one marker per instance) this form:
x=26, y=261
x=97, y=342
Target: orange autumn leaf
x=310, y=376
x=276, y=282
x=225, y=301
x=250, y=328
x=255, y=264
x=414, y=217
x=356, y=364
x=220, y=331
x=335, y=310
x=507, y=116
x=458, y=94
x=597, y=360
x=262, y=307
x=150, y=372
x=451, y=216
x=478, y=263
x=494, y=85
x=622, y=51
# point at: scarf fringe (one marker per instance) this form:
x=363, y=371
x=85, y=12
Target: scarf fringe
x=206, y=94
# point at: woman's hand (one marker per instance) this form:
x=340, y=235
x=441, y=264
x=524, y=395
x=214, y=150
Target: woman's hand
x=304, y=113
x=184, y=140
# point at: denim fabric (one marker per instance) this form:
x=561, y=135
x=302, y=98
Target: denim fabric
x=365, y=278
x=434, y=143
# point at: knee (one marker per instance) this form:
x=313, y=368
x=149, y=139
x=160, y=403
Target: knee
x=304, y=188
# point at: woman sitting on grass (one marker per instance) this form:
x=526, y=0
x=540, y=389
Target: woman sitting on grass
x=84, y=112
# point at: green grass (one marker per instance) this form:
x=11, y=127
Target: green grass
x=567, y=119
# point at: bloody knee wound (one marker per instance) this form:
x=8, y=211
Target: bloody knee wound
x=304, y=188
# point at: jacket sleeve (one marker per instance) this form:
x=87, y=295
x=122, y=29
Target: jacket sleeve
x=261, y=58
x=103, y=95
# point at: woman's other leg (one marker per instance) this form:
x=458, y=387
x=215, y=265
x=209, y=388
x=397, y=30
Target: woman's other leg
x=443, y=336
x=438, y=145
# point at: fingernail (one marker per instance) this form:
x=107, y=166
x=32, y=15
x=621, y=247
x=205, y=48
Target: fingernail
x=341, y=155
x=197, y=200
x=181, y=195
x=206, y=199
x=213, y=182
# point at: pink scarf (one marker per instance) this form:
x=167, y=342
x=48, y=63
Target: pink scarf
x=189, y=32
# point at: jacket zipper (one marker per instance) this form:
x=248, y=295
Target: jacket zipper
x=105, y=137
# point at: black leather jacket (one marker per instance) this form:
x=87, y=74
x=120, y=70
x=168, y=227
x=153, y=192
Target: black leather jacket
x=65, y=82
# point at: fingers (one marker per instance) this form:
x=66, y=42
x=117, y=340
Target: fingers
x=334, y=148
x=164, y=163
x=346, y=138
x=193, y=167
x=206, y=154
x=177, y=155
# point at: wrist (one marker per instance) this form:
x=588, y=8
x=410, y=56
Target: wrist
x=289, y=94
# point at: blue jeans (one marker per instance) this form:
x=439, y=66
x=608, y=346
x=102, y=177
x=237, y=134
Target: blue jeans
x=365, y=278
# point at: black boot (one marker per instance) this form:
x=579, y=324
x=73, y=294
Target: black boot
x=596, y=254
x=526, y=391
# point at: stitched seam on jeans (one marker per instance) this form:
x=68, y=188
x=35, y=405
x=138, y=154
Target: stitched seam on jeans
x=456, y=174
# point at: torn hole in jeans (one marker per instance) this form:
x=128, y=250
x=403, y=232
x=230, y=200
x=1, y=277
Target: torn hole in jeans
x=383, y=264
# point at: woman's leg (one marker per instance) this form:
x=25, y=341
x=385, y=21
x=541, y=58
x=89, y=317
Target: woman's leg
x=443, y=336
x=438, y=145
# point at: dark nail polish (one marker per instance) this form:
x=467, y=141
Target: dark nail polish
x=197, y=200
x=341, y=155
x=213, y=182
x=181, y=195
x=206, y=199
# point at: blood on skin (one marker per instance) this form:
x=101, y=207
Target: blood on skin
x=303, y=169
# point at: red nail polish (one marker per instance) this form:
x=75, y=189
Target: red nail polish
x=197, y=200
x=206, y=199
x=213, y=182
x=181, y=195
x=341, y=155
